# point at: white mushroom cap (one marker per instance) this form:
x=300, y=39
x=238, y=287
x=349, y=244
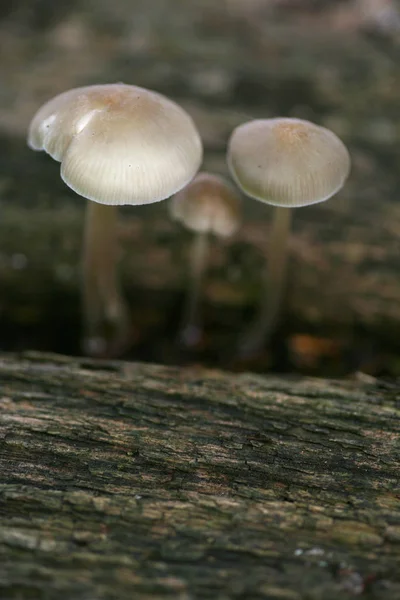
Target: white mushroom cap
x=207, y=204
x=118, y=144
x=287, y=162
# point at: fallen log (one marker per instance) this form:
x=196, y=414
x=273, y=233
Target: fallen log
x=123, y=480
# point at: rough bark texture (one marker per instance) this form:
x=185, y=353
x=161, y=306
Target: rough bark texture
x=123, y=481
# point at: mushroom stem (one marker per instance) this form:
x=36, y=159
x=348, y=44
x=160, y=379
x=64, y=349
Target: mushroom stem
x=190, y=330
x=104, y=311
x=274, y=283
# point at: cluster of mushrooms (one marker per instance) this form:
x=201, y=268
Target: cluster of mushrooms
x=121, y=144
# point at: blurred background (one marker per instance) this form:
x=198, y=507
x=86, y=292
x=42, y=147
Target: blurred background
x=335, y=62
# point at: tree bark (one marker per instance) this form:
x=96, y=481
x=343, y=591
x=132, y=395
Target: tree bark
x=139, y=481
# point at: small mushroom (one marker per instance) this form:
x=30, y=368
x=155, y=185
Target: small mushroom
x=287, y=163
x=208, y=204
x=117, y=144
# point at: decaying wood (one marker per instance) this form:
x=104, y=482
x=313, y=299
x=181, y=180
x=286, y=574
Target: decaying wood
x=138, y=481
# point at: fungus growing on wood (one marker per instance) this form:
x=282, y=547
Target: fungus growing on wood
x=207, y=205
x=117, y=144
x=286, y=163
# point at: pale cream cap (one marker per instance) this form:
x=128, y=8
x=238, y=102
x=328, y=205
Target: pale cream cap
x=287, y=162
x=118, y=144
x=207, y=204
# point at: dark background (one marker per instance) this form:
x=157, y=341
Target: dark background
x=333, y=62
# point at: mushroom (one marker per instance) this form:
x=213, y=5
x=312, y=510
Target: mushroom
x=208, y=204
x=286, y=163
x=117, y=144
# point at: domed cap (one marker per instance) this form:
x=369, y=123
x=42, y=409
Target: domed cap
x=287, y=162
x=118, y=144
x=207, y=204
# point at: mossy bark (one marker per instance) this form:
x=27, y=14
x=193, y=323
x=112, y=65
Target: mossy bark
x=139, y=481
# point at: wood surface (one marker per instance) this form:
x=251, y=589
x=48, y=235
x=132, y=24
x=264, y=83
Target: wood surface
x=122, y=480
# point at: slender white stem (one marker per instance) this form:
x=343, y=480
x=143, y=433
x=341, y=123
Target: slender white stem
x=104, y=312
x=191, y=321
x=274, y=284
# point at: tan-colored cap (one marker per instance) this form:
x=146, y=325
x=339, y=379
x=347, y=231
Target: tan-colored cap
x=207, y=204
x=118, y=144
x=287, y=162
